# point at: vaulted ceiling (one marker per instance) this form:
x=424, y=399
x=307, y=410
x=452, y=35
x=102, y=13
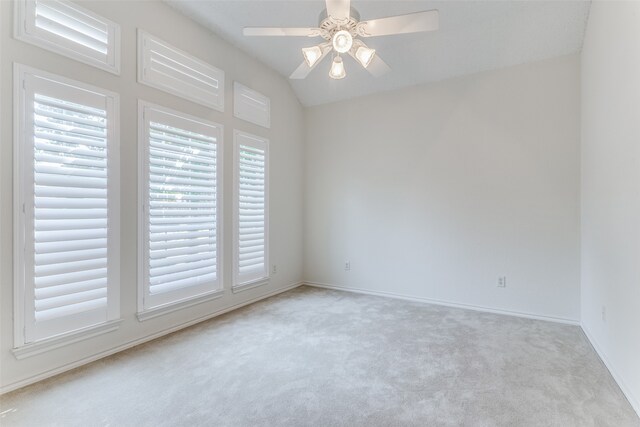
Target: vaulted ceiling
x=473, y=36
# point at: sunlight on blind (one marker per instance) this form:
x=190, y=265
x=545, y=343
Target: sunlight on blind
x=251, y=220
x=70, y=207
x=182, y=208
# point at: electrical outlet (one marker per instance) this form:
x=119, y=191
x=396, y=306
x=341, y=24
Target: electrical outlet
x=604, y=313
x=502, y=281
x=347, y=265
x=274, y=269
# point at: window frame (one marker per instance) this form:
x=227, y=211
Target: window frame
x=239, y=284
x=144, y=51
x=146, y=310
x=246, y=111
x=23, y=173
x=26, y=31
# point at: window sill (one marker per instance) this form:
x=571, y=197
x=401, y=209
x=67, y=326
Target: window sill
x=171, y=307
x=250, y=285
x=48, y=344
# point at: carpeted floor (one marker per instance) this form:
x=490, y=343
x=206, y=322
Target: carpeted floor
x=313, y=357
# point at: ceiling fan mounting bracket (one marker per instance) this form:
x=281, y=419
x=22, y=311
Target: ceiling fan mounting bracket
x=330, y=25
x=353, y=13
x=361, y=29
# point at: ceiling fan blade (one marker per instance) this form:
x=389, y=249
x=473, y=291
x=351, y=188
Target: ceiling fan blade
x=274, y=31
x=378, y=67
x=303, y=70
x=410, y=23
x=339, y=9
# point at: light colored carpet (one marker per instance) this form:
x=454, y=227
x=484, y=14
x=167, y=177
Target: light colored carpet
x=313, y=357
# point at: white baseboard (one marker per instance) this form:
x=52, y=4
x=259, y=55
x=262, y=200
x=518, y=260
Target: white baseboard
x=53, y=372
x=446, y=303
x=633, y=401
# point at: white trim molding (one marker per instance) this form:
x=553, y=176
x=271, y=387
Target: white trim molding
x=251, y=106
x=200, y=284
x=29, y=84
x=6, y=388
x=172, y=70
x=178, y=305
x=249, y=285
x=42, y=346
x=82, y=46
x=633, y=400
x=446, y=303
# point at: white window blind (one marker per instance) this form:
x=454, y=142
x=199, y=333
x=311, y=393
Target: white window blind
x=251, y=105
x=67, y=249
x=172, y=70
x=71, y=30
x=251, y=218
x=181, y=207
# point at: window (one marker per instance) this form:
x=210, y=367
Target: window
x=251, y=106
x=181, y=207
x=167, y=68
x=251, y=210
x=68, y=29
x=67, y=206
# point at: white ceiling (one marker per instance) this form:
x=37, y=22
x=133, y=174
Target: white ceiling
x=474, y=36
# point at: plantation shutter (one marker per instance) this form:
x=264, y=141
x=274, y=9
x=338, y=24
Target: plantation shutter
x=182, y=207
x=251, y=105
x=251, y=209
x=70, y=208
x=71, y=30
x=174, y=71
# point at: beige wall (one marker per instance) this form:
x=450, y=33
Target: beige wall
x=435, y=191
x=286, y=147
x=611, y=189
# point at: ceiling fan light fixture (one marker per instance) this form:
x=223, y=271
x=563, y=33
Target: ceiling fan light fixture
x=337, y=71
x=311, y=55
x=341, y=28
x=364, y=55
x=342, y=41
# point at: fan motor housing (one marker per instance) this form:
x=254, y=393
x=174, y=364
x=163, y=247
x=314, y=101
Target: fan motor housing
x=330, y=25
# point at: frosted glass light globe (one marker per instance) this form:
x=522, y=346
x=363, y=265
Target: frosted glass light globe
x=342, y=41
x=364, y=55
x=311, y=55
x=337, y=70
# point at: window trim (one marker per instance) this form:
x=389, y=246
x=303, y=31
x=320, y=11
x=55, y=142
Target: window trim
x=39, y=347
x=245, y=286
x=20, y=72
x=39, y=39
x=143, y=312
x=237, y=284
x=245, y=111
x=143, y=37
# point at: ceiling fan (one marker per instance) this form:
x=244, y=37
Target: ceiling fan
x=341, y=28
